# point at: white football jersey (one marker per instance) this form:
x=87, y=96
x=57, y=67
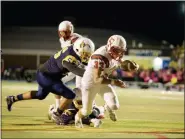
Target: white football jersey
x=70, y=41
x=99, y=59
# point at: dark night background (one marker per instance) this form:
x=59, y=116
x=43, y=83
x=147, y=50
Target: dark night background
x=159, y=20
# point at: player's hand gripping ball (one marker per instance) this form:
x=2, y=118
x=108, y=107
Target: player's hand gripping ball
x=119, y=83
x=128, y=65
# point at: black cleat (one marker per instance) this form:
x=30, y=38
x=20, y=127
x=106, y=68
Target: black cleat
x=9, y=101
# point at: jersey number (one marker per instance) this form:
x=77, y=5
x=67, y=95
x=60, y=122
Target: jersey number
x=61, y=51
x=70, y=59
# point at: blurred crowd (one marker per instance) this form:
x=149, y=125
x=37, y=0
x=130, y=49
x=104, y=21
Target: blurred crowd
x=13, y=73
x=161, y=76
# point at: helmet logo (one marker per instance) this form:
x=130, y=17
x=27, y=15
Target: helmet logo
x=82, y=45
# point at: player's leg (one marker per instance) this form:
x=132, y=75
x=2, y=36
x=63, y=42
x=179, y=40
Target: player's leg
x=53, y=107
x=40, y=94
x=57, y=100
x=67, y=96
x=65, y=79
x=12, y=99
x=78, y=82
x=88, y=96
x=76, y=90
x=111, y=101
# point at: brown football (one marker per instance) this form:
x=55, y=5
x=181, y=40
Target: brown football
x=128, y=65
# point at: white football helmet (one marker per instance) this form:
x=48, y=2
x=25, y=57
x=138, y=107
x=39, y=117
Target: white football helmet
x=116, y=46
x=84, y=47
x=74, y=37
x=65, y=29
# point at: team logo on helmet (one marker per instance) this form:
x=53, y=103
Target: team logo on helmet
x=83, y=44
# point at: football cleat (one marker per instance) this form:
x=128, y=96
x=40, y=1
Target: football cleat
x=9, y=101
x=113, y=116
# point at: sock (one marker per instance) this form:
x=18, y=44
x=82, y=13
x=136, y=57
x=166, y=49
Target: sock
x=17, y=98
x=57, y=102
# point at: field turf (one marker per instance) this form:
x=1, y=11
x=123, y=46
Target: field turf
x=142, y=114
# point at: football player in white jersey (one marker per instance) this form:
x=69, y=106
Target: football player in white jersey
x=95, y=79
x=67, y=37
x=66, y=34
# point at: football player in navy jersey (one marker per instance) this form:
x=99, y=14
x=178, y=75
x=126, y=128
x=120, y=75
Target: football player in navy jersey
x=50, y=73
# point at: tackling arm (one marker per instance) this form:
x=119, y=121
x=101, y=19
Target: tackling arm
x=73, y=68
x=70, y=76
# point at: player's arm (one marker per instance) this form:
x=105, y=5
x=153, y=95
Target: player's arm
x=99, y=79
x=73, y=68
x=70, y=76
x=98, y=76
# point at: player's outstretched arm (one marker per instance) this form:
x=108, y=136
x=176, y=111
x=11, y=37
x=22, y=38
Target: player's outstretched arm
x=73, y=68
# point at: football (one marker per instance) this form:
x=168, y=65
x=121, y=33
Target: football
x=128, y=65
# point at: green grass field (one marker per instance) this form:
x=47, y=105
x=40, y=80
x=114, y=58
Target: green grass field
x=142, y=114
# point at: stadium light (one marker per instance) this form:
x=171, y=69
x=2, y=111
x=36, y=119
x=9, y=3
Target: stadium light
x=157, y=63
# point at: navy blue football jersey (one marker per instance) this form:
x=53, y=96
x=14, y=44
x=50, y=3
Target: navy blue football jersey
x=54, y=65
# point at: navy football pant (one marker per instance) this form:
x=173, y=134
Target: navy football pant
x=49, y=84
